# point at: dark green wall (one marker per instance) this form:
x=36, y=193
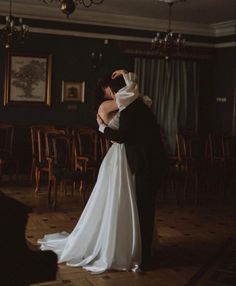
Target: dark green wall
x=206, y=99
x=71, y=61
x=224, y=76
x=217, y=81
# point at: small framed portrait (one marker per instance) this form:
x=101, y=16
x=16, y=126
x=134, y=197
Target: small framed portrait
x=73, y=91
x=28, y=79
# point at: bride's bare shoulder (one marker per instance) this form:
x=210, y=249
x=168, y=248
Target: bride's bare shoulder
x=107, y=106
x=107, y=110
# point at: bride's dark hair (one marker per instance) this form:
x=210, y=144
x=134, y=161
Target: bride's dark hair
x=102, y=83
x=115, y=84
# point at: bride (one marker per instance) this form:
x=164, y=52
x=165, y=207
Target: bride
x=107, y=235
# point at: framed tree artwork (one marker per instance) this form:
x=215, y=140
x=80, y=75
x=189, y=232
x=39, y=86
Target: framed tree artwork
x=28, y=79
x=73, y=91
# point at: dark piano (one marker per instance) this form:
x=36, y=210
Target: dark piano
x=20, y=266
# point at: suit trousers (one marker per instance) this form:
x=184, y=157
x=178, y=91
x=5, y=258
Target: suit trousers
x=146, y=189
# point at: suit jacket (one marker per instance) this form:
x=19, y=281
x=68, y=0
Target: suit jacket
x=140, y=133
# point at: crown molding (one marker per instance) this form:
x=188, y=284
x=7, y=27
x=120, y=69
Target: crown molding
x=90, y=35
x=212, y=45
x=224, y=28
x=52, y=13
x=108, y=37
x=225, y=45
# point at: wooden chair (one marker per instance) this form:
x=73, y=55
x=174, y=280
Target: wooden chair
x=87, y=146
x=7, y=155
x=222, y=155
x=229, y=152
x=41, y=152
x=189, y=161
x=34, y=150
x=216, y=162
x=61, y=166
x=80, y=165
x=103, y=147
x=229, y=149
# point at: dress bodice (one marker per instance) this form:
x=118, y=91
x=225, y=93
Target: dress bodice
x=114, y=122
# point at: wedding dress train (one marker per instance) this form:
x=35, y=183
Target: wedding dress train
x=107, y=235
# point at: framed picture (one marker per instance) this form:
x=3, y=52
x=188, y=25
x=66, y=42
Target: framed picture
x=73, y=91
x=28, y=79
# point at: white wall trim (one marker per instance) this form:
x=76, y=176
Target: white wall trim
x=225, y=45
x=90, y=35
x=212, y=45
x=52, y=13
x=224, y=28
x=120, y=37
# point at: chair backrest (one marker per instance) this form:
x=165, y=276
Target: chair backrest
x=104, y=145
x=87, y=142
x=47, y=132
x=214, y=147
x=39, y=143
x=188, y=146
x=229, y=147
x=62, y=151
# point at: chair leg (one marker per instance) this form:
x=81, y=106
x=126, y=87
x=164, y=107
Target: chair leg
x=54, y=203
x=82, y=188
x=73, y=188
x=32, y=172
x=196, y=189
x=37, y=179
x=50, y=183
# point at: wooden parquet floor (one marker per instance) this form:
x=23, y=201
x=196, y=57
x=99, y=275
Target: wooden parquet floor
x=185, y=238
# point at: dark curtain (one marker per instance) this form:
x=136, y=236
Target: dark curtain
x=173, y=86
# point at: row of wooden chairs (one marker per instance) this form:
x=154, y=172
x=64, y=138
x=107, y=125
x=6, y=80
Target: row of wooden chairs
x=66, y=155
x=202, y=163
x=199, y=162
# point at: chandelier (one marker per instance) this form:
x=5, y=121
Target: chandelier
x=10, y=34
x=68, y=6
x=171, y=43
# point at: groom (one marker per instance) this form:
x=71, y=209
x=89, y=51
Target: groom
x=145, y=153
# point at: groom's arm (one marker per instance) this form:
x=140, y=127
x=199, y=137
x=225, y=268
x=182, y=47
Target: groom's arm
x=120, y=136
x=112, y=135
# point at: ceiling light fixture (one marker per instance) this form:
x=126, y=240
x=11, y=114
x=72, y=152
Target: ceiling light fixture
x=171, y=43
x=10, y=34
x=68, y=6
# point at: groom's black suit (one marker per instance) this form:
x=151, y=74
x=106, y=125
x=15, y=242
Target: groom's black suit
x=146, y=157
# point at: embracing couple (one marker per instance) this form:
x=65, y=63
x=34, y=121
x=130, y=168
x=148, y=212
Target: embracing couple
x=115, y=230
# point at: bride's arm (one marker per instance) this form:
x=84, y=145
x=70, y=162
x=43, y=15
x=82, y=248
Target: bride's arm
x=106, y=109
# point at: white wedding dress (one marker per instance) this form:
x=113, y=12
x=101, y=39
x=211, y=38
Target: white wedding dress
x=107, y=235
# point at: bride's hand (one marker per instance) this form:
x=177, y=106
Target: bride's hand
x=99, y=120
x=117, y=73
